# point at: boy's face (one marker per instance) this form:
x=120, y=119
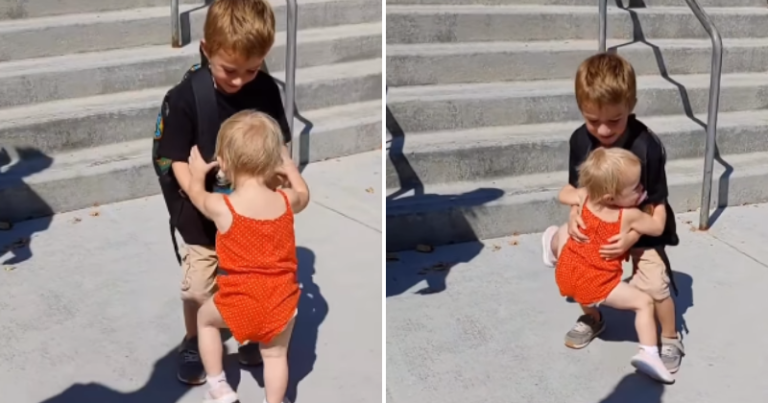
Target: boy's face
x=231, y=71
x=607, y=122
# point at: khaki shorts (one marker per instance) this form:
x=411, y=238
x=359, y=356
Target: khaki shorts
x=198, y=267
x=649, y=273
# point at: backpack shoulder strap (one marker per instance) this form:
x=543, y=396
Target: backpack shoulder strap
x=207, y=111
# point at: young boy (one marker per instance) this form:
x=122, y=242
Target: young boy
x=606, y=95
x=238, y=34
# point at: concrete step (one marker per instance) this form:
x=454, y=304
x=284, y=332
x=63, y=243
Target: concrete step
x=107, y=119
x=36, y=184
x=448, y=63
x=478, y=23
x=16, y=9
x=625, y=3
x=495, y=152
x=464, y=106
x=75, y=33
x=462, y=212
x=86, y=74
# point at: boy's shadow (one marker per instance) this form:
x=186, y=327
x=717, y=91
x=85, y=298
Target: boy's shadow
x=635, y=388
x=19, y=202
x=302, y=354
x=620, y=325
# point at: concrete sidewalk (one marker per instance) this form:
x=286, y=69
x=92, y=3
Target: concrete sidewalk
x=90, y=312
x=495, y=333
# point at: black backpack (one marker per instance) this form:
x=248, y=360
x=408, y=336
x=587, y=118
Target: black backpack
x=207, y=123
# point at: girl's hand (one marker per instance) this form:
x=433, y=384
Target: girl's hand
x=197, y=165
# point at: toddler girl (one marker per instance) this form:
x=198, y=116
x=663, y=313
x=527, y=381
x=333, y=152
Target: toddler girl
x=258, y=290
x=609, y=191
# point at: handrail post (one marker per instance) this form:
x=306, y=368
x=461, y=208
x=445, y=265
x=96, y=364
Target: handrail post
x=712, y=110
x=603, y=24
x=290, y=78
x=175, y=25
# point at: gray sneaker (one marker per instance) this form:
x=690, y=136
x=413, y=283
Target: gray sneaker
x=190, y=367
x=672, y=352
x=582, y=333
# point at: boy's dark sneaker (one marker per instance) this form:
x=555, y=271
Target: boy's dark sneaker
x=584, y=331
x=250, y=355
x=190, y=367
x=672, y=352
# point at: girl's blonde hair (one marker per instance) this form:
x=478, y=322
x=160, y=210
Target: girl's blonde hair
x=249, y=143
x=606, y=172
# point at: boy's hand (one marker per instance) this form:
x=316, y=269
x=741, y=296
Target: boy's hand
x=619, y=245
x=575, y=224
x=197, y=165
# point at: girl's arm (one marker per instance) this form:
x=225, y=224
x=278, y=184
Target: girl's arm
x=571, y=196
x=646, y=224
x=295, y=188
x=211, y=205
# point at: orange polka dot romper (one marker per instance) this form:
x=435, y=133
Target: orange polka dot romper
x=581, y=273
x=258, y=286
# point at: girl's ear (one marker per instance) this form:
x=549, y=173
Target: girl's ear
x=607, y=199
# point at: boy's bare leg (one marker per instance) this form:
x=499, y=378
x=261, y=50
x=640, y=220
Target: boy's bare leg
x=275, y=355
x=627, y=297
x=650, y=276
x=211, y=351
x=198, y=284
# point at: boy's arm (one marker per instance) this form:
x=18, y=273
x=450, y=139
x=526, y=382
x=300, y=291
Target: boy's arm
x=178, y=134
x=656, y=177
x=276, y=111
x=646, y=224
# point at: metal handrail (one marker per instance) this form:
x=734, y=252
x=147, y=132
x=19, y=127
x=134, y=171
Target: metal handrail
x=712, y=109
x=603, y=24
x=290, y=64
x=714, y=97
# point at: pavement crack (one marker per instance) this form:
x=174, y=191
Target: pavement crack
x=329, y=208
x=736, y=248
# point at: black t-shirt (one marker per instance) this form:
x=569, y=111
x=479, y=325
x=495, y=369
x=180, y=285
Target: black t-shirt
x=180, y=135
x=647, y=146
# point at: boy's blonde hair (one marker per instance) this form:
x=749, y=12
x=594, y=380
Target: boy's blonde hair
x=606, y=172
x=250, y=144
x=606, y=79
x=243, y=27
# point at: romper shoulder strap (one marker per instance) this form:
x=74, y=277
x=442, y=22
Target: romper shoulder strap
x=229, y=206
x=287, y=201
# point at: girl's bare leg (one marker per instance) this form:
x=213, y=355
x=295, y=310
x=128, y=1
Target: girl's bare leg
x=275, y=355
x=626, y=297
x=209, y=322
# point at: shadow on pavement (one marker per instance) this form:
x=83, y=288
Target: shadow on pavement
x=635, y=388
x=431, y=219
x=302, y=355
x=163, y=387
x=18, y=200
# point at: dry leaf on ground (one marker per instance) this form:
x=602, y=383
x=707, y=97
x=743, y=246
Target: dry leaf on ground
x=514, y=242
x=95, y=214
x=9, y=268
x=392, y=257
x=5, y=226
x=425, y=248
x=495, y=247
x=76, y=220
x=369, y=190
